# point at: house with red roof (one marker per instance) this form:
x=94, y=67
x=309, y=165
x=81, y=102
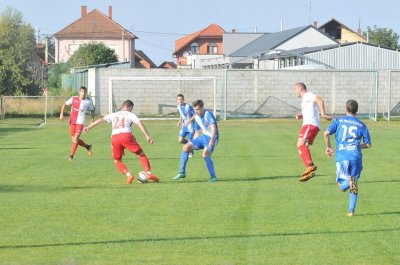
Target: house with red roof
x=167, y=65
x=98, y=27
x=203, y=44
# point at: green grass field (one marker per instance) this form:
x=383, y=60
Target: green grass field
x=82, y=212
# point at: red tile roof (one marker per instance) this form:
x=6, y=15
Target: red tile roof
x=211, y=31
x=95, y=24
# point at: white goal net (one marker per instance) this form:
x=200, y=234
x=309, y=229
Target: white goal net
x=155, y=97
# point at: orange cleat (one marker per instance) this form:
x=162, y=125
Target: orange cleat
x=153, y=177
x=130, y=179
x=309, y=170
x=307, y=177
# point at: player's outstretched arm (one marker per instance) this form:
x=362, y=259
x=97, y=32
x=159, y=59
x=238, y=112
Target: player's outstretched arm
x=91, y=116
x=327, y=138
x=93, y=124
x=321, y=106
x=213, y=135
x=62, y=112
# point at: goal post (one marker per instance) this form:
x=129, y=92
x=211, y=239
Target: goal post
x=156, y=96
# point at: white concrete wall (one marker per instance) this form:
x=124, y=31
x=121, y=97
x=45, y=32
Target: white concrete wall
x=265, y=92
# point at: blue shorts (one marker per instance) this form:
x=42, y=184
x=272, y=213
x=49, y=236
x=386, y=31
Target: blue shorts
x=185, y=132
x=202, y=143
x=347, y=168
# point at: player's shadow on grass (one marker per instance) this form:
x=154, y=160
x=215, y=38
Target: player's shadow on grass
x=46, y=188
x=380, y=213
x=247, y=179
x=8, y=131
x=194, y=238
x=16, y=148
x=379, y=181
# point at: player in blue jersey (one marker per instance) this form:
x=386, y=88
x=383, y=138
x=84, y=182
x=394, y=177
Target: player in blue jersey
x=186, y=121
x=351, y=135
x=208, y=140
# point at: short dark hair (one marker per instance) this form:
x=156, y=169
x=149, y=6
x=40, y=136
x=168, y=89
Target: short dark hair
x=302, y=85
x=128, y=103
x=198, y=103
x=180, y=96
x=83, y=87
x=352, y=106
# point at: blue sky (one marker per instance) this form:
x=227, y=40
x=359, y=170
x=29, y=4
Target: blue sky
x=158, y=23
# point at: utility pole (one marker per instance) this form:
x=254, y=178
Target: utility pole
x=123, y=46
x=46, y=50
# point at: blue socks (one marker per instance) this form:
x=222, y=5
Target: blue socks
x=345, y=185
x=353, y=201
x=210, y=166
x=184, y=159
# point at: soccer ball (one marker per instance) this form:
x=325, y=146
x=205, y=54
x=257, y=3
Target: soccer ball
x=142, y=177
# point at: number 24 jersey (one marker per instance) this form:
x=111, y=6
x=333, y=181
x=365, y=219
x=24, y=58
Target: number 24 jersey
x=122, y=121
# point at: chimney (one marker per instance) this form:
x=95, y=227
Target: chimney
x=110, y=12
x=315, y=24
x=83, y=11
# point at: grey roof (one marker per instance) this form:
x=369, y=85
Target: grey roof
x=268, y=42
x=306, y=50
x=236, y=40
x=314, y=49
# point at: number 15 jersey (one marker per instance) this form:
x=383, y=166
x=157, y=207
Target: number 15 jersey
x=122, y=121
x=349, y=133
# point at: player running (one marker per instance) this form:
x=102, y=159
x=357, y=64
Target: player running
x=205, y=122
x=311, y=126
x=186, y=119
x=122, y=139
x=80, y=104
x=349, y=132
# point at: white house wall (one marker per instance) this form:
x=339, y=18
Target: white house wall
x=123, y=49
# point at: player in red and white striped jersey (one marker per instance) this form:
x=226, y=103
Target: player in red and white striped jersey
x=122, y=139
x=79, y=105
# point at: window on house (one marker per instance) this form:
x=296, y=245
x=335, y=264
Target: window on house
x=195, y=48
x=212, y=48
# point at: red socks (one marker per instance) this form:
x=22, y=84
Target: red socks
x=305, y=155
x=121, y=167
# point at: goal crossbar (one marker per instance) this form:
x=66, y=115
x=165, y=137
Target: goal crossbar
x=159, y=78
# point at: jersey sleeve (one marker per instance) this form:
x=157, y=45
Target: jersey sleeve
x=210, y=117
x=191, y=110
x=134, y=118
x=90, y=106
x=332, y=127
x=109, y=118
x=310, y=97
x=366, y=136
x=69, y=101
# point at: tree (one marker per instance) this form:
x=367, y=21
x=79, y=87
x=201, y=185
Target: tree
x=383, y=37
x=54, y=77
x=92, y=53
x=17, y=46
